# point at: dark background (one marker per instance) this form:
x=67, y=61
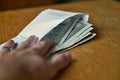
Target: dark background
x=16, y=4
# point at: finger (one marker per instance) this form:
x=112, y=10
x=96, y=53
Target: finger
x=42, y=47
x=28, y=43
x=60, y=61
x=15, y=46
x=9, y=45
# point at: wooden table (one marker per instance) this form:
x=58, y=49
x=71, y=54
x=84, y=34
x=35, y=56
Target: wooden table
x=98, y=59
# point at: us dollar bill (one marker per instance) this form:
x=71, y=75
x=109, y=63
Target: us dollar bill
x=80, y=30
x=60, y=32
x=86, y=38
x=69, y=34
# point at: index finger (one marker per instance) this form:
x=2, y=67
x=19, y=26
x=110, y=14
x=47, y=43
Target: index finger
x=42, y=47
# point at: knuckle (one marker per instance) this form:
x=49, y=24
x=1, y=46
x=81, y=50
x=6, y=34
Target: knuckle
x=43, y=43
x=35, y=50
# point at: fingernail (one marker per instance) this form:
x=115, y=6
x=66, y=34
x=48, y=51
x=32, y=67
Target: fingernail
x=11, y=42
x=68, y=56
x=33, y=37
x=50, y=41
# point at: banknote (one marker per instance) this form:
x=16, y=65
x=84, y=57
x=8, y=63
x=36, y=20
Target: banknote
x=70, y=46
x=76, y=32
x=80, y=31
x=60, y=32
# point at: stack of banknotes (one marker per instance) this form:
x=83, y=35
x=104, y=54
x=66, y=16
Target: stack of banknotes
x=69, y=34
x=66, y=29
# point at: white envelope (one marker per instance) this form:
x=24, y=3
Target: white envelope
x=44, y=22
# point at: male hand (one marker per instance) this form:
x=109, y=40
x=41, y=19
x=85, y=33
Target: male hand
x=27, y=60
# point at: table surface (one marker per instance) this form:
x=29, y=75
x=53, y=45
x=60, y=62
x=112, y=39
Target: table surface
x=98, y=59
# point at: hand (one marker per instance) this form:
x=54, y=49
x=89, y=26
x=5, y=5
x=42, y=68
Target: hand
x=27, y=62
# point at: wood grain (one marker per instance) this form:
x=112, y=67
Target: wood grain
x=98, y=59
